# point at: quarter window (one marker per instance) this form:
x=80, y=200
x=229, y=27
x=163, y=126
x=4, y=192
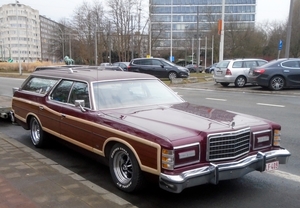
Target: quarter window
x=39, y=85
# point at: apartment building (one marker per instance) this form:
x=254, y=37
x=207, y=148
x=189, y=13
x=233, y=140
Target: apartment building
x=27, y=36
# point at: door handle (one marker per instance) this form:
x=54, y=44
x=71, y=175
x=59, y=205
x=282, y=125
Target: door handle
x=41, y=107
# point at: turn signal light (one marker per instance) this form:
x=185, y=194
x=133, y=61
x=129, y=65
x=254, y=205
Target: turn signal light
x=276, y=139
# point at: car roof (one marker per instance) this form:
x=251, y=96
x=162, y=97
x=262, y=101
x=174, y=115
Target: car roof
x=244, y=59
x=91, y=75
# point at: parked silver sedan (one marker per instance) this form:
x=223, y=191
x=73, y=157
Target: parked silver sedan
x=235, y=71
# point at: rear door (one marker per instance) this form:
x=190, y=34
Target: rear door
x=292, y=72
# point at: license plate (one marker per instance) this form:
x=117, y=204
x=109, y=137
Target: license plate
x=272, y=166
x=219, y=72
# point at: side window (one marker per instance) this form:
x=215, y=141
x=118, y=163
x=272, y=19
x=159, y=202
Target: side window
x=237, y=64
x=249, y=64
x=137, y=62
x=80, y=91
x=293, y=64
x=261, y=63
x=39, y=85
x=147, y=62
x=61, y=92
x=156, y=62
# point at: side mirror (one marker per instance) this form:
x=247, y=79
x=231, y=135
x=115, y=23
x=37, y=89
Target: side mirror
x=14, y=89
x=80, y=104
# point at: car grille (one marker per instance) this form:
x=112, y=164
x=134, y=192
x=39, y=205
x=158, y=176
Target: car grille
x=229, y=145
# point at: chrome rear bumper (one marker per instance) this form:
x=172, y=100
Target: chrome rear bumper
x=218, y=172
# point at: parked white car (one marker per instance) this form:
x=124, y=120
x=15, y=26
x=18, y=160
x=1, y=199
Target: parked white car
x=235, y=71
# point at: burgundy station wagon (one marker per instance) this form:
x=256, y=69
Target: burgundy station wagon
x=139, y=125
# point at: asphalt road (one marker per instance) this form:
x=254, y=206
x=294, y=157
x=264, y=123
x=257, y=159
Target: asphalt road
x=275, y=189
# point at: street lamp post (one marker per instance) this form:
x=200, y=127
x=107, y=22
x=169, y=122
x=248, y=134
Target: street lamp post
x=289, y=31
x=20, y=68
x=171, y=40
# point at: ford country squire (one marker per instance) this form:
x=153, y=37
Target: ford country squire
x=140, y=127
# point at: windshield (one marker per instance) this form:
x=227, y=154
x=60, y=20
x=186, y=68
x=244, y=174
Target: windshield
x=132, y=93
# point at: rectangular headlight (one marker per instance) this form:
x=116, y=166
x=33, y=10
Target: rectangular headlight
x=187, y=154
x=262, y=139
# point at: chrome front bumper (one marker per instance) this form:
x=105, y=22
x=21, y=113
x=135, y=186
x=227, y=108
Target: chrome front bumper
x=219, y=172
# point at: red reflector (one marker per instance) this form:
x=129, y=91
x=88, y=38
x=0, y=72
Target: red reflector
x=259, y=71
x=228, y=72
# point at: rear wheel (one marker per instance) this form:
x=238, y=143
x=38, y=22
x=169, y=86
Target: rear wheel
x=37, y=135
x=124, y=169
x=276, y=83
x=224, y=84
x=172, y=75
x=240, y=81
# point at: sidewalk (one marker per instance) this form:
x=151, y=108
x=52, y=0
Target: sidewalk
x=28, y=179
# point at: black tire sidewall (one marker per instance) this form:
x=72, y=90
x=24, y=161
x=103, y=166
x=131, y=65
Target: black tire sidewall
x=132, y=185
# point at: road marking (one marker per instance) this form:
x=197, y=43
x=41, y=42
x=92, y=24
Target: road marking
x=271, y=105
x=285, y=175
x=216, y=99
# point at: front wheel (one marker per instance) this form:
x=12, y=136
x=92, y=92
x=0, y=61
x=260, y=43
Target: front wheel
x=37, y=134
x=124, y=169
x=276, y=83
x=172, y=75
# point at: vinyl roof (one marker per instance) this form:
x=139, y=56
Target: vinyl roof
x=90, y=75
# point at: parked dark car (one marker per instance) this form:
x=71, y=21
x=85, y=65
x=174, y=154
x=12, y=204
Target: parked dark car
x=211, y=68
x=277, y=74
x=140, y=127
x=193, y=68
x=158, y=67
x=123, y=65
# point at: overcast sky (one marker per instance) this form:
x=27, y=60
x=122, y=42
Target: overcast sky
x=267, y=10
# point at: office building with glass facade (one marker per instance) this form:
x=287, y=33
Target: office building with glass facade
x=179, y=20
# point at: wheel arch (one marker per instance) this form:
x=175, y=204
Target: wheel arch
x=110, y=142
x=29, y=117
x=278, y=75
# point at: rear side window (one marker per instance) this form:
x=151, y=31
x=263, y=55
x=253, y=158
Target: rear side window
x=261, y=62
x=143, y=62
x=223, y=64
x=249, y=64
x=293, y=64
x=40, y=85
x=156, y=62
x=237, y=64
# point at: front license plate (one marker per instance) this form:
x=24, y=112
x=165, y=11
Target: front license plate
x=272, y=166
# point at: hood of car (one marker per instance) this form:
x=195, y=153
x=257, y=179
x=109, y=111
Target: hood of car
x=183, y=120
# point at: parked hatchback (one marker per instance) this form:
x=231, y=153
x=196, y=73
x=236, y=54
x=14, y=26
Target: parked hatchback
x=159, y=67
x=235, y=71
x=277, y=74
